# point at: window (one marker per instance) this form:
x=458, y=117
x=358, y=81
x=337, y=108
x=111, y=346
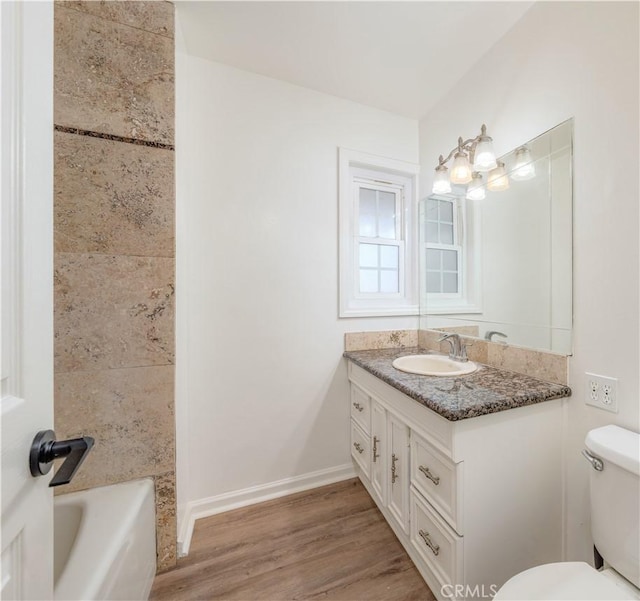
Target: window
x=377, y=236
x=443, y=248
x=450, y=255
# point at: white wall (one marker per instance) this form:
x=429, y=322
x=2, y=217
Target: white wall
x=261, y=386
x=567, y=60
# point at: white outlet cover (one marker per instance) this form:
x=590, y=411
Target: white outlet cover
x=602, y=392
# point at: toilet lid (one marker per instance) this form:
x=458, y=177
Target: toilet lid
x=573, y=580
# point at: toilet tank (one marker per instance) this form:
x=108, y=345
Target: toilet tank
x=615, y=498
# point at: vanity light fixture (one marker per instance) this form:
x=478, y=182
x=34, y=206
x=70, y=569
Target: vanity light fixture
x=497, y=180
x=477, y=151
x=441, y=183
x=524, y=168
x=476, y=190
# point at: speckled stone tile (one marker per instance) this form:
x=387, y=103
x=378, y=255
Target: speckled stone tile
x=477, y=350
x=112, y=78
x=166, y=533
x=129, y=412
x=112, y=311
x=154, y=16
x=112, y=197
x=539, y=364
x=488, y=390
x=358, y=341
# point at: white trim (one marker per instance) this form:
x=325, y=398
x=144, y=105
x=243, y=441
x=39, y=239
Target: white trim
x=406, y=304
x=203, y=508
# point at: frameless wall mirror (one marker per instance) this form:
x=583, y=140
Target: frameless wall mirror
x=496, y=257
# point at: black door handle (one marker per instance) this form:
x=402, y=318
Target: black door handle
x=45, y=448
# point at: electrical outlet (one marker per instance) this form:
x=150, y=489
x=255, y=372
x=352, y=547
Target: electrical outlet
x=601, y=392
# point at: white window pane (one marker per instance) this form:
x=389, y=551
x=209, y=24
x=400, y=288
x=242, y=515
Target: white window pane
x=433, y=281
x=386, y=215
x=367, y=201
x=389, y=281
x=368, y=280
x=368, y=255
x=432, y=232
x=450, y=282
x=446, y=233
x=433, y=259
x=367, y=225
x=449, y=260
x=446, y=211
x=389, y=257
x=432, y=209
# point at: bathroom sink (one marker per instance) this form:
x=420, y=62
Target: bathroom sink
x=433, y=365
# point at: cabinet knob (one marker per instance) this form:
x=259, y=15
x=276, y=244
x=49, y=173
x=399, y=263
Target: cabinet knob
x=358, y=406
x=358, y=447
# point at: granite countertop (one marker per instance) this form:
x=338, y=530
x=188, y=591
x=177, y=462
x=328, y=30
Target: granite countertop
x=487, y=390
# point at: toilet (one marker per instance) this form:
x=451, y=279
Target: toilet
x=614, y=454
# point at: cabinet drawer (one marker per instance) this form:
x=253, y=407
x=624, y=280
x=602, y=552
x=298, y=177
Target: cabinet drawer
x=361, y=408
x=437, y=544
x=438, y=479
x=360, y=447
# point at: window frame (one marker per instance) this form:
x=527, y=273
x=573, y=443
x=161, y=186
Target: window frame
x=401, y=176
x=468, y=299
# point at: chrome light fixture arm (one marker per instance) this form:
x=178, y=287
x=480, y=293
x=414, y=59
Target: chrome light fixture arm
x=468, y=146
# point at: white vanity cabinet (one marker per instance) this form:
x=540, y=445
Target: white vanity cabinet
x=473, y=501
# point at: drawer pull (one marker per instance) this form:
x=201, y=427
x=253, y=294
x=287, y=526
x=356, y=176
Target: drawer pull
x=359, y=407
x=394, y=475
x=427, y=541
x=358, y=447
x=428, y=474
x=376, y=440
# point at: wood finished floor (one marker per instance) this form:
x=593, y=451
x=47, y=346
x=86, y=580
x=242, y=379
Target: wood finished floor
x=330, y=543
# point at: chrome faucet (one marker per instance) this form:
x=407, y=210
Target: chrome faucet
x=491, y=333
x=458, y=348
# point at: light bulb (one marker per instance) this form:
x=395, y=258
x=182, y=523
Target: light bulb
x=497, y=180
x=476, y=190
x=484, y=158
x=461, y=170
x=524, y=168
x=441, y=183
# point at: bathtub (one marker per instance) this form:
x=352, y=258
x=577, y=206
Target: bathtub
x=105, y=543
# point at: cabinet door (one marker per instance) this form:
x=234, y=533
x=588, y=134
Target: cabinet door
x=379, y=451
x=398, y=454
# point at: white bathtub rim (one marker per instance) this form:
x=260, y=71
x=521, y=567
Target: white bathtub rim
x=124, y=500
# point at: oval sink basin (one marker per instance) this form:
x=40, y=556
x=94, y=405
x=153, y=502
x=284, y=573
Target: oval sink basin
x=433, y=365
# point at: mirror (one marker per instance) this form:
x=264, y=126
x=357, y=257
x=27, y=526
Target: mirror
x=500, y=267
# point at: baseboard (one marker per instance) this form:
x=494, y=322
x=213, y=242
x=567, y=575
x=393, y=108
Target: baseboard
x=203, y=508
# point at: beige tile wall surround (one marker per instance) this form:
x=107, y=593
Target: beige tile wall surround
x=154, y=16
x=128, y=186
x=113, y=78
x=113, y=311
x=128, y=411
x=114, y=208
x=545, y=365
x=359, y=341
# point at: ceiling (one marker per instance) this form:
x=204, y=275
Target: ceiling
x=401, y=57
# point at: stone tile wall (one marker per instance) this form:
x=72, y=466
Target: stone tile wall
x=114, y=245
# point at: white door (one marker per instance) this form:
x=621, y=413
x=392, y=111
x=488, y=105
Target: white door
x=26, y=307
